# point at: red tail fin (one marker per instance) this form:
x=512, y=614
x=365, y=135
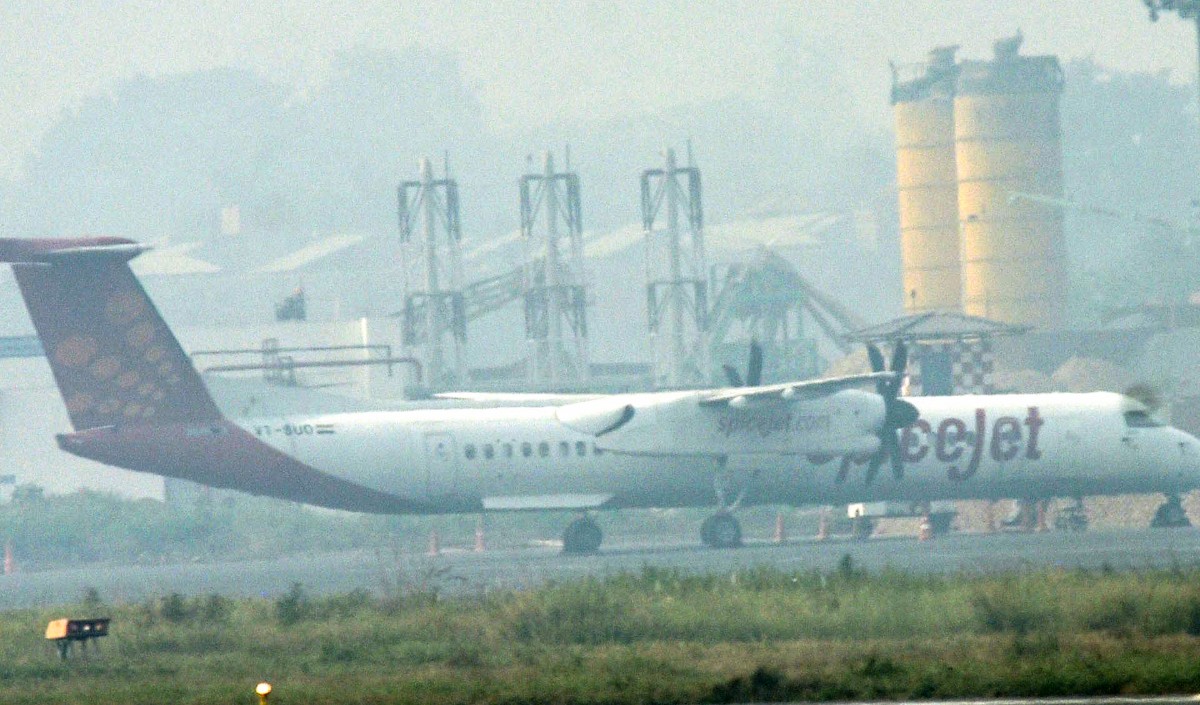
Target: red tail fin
x=114, y=358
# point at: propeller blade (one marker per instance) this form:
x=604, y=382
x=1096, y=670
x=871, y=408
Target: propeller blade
x=901, y=414
x=731, y=374
x=873, y=466
x=899, y=363
x=899, y=357
x=876, y=357
x=755, y=367
x=896, y=457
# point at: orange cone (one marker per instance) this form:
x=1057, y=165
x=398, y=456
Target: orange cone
x=479, y=546
x=780, y=532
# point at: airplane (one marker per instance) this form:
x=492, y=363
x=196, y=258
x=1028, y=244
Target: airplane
x=136, y=401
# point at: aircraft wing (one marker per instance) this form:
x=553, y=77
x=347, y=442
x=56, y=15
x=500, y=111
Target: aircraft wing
x=791, y=391
x=518, y=398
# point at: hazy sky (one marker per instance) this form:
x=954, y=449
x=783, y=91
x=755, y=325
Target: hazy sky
x=538, y=62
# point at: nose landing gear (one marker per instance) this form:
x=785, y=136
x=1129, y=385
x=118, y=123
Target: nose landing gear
x=1170, y=515
x=582, y=535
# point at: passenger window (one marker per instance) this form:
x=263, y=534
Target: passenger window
x=489, y=452
x=526, y=449
x=580, y=448
x=543, y=449
x=469, y=451
x=508, y=450
x=1141, y=419
x=564, y=449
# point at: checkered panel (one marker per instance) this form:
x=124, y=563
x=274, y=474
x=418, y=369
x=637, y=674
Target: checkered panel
x=972, y=366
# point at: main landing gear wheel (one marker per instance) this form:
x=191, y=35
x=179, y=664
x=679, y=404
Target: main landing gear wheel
x=582, y=536
x=1170, y=515
x=1073, y=517
x=721, y=530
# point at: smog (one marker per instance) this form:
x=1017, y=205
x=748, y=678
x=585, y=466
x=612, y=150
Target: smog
x=609, y=341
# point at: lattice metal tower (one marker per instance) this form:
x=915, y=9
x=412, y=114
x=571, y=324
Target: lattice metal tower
x=676, y=274
x=555, y=290
x=434, y=314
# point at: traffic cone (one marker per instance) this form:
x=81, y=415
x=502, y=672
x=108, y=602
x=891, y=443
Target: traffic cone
x=823, y=525
x=479, y=547
x=780, y=533
x=10, y=565
x=435, y=545
x=990, y=517
x=1041, y=516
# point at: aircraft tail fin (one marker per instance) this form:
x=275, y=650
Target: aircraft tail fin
x=113, y=357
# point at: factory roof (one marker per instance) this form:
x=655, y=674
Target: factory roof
x=935, y=325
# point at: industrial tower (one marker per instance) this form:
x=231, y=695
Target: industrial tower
x=927, y=183
x=676, y=274
x=554, y=288
x=434, y=313
x=969, y=135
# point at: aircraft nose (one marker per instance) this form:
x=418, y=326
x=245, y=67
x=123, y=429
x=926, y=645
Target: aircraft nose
x=1189, y=451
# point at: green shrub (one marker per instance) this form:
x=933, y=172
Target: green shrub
x=294, y=606
x=174, y=608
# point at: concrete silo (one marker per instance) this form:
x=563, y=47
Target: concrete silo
x=1007, y=139
x=926, y=179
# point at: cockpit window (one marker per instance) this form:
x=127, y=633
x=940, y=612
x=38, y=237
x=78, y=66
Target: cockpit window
x=1141, y=419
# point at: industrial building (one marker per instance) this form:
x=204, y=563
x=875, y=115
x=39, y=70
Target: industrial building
x=662, y=303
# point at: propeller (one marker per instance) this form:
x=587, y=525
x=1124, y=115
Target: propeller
x=754, y=369
x=897, y=413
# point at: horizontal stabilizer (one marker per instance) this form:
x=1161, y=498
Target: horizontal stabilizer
x=25, y=251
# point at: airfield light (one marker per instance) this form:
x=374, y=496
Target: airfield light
x=262, y=690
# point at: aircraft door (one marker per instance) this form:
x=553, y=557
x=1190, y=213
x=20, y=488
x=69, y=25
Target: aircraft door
x=441, y=464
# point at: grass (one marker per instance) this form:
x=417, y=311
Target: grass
x=659, y=636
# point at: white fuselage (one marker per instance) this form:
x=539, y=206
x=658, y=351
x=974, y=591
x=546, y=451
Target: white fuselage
x=808, y=452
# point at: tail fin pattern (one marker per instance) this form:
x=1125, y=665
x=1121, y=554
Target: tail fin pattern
x=114, y=359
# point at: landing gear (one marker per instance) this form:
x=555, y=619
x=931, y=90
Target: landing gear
x=1072, y=517
x=1170, y=515
x=861, y=527
x=721, y=530
x=582, y=535
x=1027, y=515
x=940, y=523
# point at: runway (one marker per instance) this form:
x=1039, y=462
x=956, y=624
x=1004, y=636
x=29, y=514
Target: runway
x=465, y=572
x=1103, y=700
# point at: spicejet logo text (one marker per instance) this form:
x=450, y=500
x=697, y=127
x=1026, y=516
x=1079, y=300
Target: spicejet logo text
x=961, y=444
